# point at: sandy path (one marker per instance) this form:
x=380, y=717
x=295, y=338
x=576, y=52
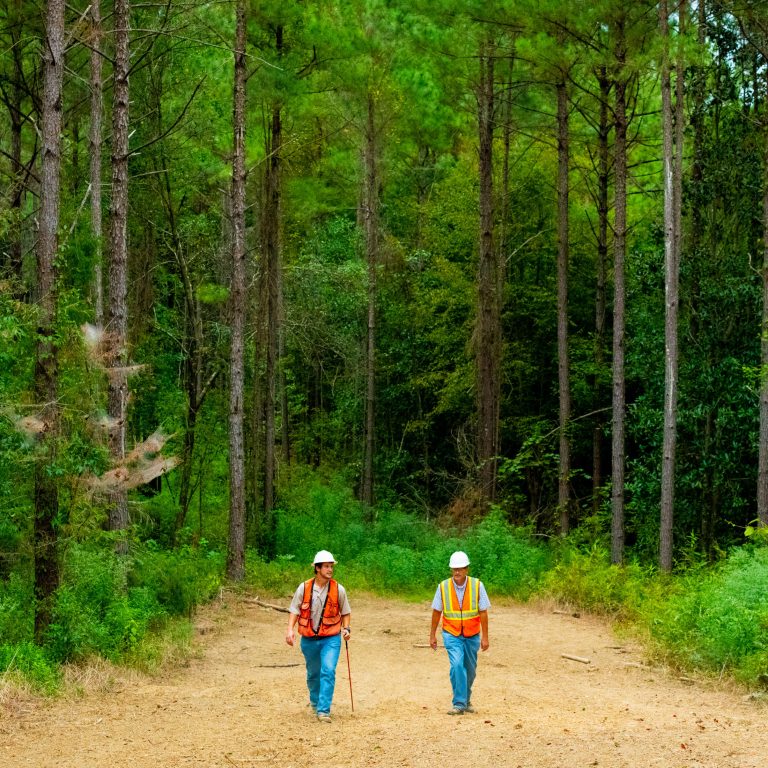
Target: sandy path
x=241, y=704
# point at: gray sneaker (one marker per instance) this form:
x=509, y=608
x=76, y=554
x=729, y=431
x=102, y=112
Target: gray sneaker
x=455, y=711
x=324, y=717
x=469, y=708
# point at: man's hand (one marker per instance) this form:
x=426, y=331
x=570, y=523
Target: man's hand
x=433, y=642
x=347, y=633
x=484, y=643
x=289, y=637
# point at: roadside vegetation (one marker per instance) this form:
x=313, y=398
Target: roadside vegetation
x=136, y=610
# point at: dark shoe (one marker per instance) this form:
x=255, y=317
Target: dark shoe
x=455, y=711
x=469, y=708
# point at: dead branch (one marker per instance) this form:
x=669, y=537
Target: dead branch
x=267, y=605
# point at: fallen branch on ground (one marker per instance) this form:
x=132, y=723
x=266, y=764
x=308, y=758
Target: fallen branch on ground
x=267, y=605
x=580, y=659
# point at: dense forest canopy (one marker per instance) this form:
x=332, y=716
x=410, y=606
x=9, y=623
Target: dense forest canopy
x=467, y=257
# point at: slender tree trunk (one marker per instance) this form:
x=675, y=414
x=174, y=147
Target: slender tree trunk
x=603, y=184
x=17, y=189
x=762, y=463
x=46, y=358
x=117, y=393
x=697, y=178
x=95, y=157
x=371, y=224
x=488, y=323
x=619, y=292
x=563, y=365
x=236, y=544
x=271, y=252
x=672, y=194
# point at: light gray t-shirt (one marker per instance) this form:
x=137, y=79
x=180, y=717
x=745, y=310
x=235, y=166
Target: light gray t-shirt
x=318, y=601
x=483, y=605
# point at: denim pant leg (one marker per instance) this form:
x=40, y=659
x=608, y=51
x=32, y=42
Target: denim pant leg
x=311, y=650
x=471, y=647
x=330, y=648
x=458, y=672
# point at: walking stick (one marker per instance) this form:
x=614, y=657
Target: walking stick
x=349, y=673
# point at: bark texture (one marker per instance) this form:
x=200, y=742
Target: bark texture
x=46, y=362
x=236, y=544
x=117, y=322
x=488, y=320
x=618, y=405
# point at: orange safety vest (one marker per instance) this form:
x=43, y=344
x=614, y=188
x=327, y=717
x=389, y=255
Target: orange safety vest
x=330, y=622
x=464, y=618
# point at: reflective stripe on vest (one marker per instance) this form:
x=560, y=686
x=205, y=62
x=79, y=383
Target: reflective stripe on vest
x=461, y=618
x=330, y=620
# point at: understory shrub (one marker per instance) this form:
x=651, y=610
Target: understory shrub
x=31, y=663
x=588, y=581
x=717, y=621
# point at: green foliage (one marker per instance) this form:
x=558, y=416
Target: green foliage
x=396, y=551
x=107, y=604
x=94, y=613
x=31, y=663
x=717, y=621
x=588, y=581
x=16, y=603
x=178, y=580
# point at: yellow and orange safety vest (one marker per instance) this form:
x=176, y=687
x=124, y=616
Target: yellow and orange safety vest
x=461, y=618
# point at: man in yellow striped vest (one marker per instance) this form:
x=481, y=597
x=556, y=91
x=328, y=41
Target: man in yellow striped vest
x=463, y=604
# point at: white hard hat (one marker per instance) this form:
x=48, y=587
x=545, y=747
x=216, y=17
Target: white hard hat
x=458, y=560
x=323, y=556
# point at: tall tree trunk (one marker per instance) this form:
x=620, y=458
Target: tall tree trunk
x=619, y=294
x=697, y=179
x=603, y=184
x=762, y=464
x=236, y=544
x=95, y=157
x=371, y=223
x=46, y=358
x=488, y=322
x=271, y=252
x=117, y=393
x=672, y=194
x=563, y=365
x=17, y=168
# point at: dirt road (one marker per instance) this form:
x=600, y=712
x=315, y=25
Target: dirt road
x=243, y=703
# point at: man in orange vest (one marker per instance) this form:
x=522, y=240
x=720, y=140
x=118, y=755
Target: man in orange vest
x=321, y=609
x=463, y=604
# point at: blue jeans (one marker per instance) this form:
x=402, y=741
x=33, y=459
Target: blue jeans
x=321, y=655
x=462, y=656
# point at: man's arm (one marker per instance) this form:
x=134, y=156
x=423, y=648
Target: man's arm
x=433, y=629
x=484, y=642
x=289, y=635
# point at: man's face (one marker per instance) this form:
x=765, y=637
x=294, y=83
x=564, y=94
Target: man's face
x=459, y=574
x=325, y=570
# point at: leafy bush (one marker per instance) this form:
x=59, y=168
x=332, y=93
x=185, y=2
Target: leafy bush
x=178, y=580
x=94, y=613
x=588, y=581
x=16, y=610
x=31, y=663
x=717, y=620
